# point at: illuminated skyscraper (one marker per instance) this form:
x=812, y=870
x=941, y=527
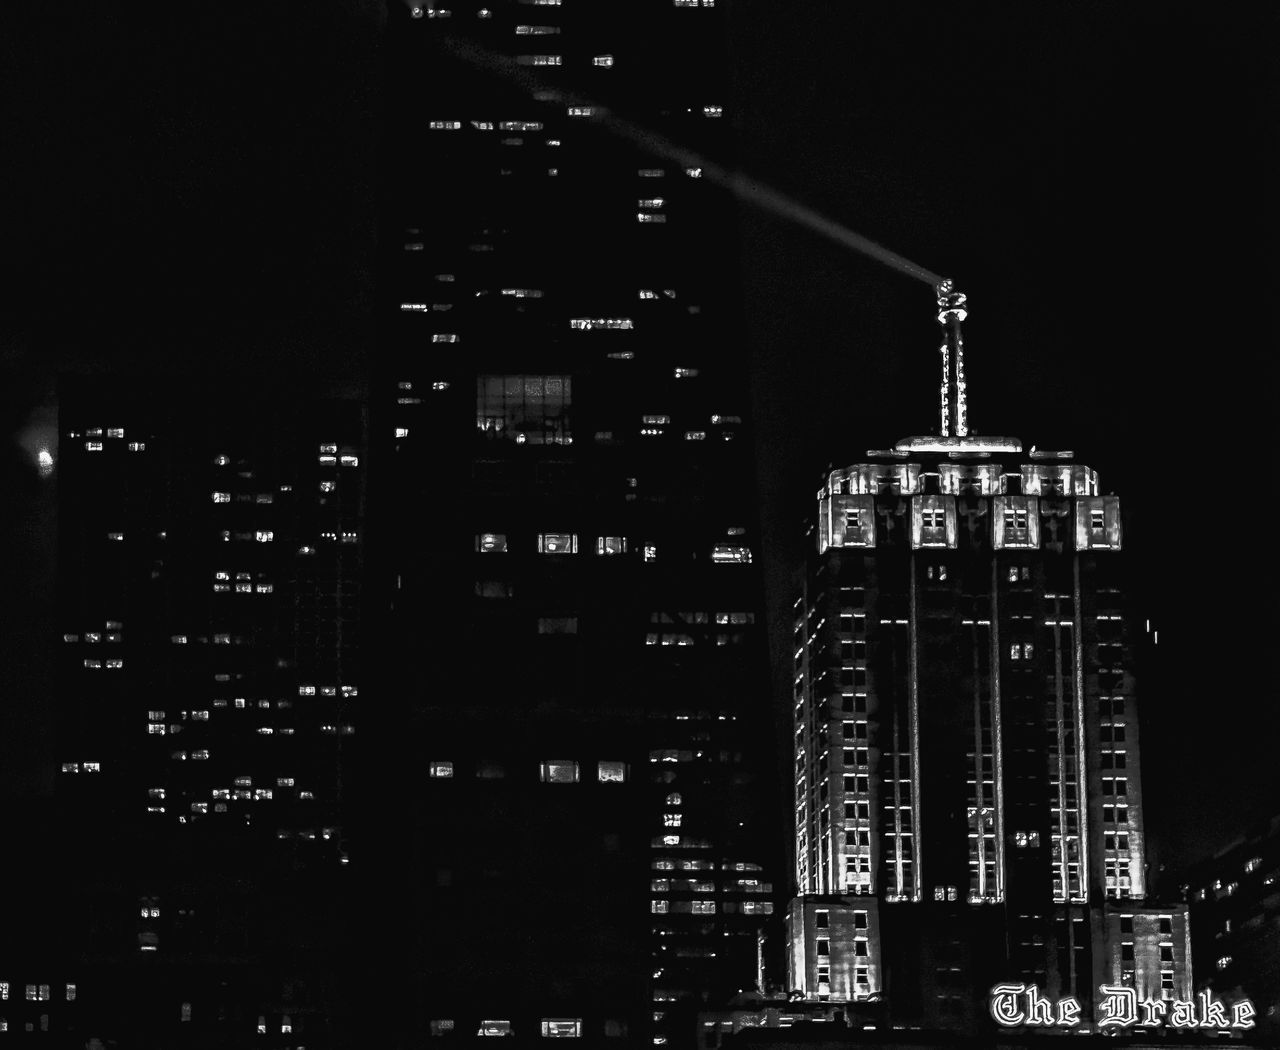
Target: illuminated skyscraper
x=968, y=805
x=574, y=640
x=210, y=568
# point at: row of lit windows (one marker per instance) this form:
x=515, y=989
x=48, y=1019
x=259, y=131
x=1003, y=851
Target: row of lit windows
x=550, y=1028
x=38, y=993
x=251, y=497
x=567, y=543
x=549, y=772
x=133, y=446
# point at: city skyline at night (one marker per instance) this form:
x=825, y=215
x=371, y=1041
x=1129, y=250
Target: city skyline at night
x=412, y=416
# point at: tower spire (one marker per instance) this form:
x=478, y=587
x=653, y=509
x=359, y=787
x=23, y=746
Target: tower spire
x=954, y=414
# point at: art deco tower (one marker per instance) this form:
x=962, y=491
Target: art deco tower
x=968, y=802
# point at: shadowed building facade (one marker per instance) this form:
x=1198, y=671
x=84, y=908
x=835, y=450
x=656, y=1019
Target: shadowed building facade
x=968, y=804
x=1235, y=907
x=209, y=601
x=572, y=645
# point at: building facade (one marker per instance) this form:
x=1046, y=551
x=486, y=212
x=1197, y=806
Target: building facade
x=1234, y=899
x=968, y=802
x=209, y=589
x=566, y=532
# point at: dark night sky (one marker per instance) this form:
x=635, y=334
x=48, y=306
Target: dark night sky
x=195, y=190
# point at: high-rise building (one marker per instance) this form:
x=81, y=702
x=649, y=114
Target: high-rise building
x=209, y=586
x=968, y=803
x=573, y=639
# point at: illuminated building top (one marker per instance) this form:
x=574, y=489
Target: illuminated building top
x=968, y=798
x=953, y=416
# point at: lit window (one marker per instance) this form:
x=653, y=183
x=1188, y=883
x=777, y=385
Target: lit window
x=611, y=772
x=222, y=497
x=557, y=543
x=264, y=536
x=491, y=542
x=650, y=552
x=1015, y=518
x=611, y=545
x=494, y=1028
x=526, y=409
x=559, y=772
x=730, y=554
x=561, y=1028
x=587, y=324
x=440, y=770
x=603, y=61
x=442, y=1027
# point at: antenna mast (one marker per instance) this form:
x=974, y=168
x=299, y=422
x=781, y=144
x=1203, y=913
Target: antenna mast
x=955, y=408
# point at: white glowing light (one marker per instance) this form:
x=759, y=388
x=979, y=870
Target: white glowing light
x=1013, y=1005
x=44, y=461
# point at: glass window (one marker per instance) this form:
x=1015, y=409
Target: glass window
x=494, y=1028
x=557, y=625
x=557, y=543
x=440, y=770
x=609, y=772
x=561, y=1027
x=525, y=409
x=559, y=772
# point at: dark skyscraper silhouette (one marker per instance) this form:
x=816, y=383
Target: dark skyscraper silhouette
x=209, y=681
x=565, y=525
